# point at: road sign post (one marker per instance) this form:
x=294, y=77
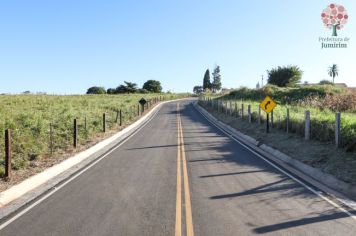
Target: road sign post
x=143, y=101
x=268, y=105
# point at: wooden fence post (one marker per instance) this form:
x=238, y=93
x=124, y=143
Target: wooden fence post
x=287, y=128
x=120, y=117
x=226, y=108
x=249, y=114
x=231, y=110
x=259, y=115
x=117, y=116
x=242, y=110
x=51, y=138
x=104, y=122
x=8, y=153
x=337, y=129
x=307, y=125
x=75, y=133
x=272, y=119
x=236, y=111
x=85, y=124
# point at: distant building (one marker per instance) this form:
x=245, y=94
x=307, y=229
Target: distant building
x=340, y=85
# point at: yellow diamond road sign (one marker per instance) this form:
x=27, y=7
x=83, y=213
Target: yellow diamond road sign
x=268, y=104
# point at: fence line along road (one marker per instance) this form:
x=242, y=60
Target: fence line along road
x=304, y=127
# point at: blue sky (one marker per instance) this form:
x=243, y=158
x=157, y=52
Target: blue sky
x=66, y=46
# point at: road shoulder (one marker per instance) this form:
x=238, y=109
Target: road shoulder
x=335, y=188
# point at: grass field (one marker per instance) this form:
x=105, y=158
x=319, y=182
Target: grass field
x=30, y=116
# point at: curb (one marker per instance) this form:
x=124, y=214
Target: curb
x=344, y=192
x=21, y=194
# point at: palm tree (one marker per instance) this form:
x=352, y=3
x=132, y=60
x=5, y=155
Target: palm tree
x=131, y=87
x=333, y=71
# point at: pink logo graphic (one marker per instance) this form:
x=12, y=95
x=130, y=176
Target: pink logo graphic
x=334, y=17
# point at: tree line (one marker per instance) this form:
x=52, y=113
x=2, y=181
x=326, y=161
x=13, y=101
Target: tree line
x=208, y=85
x=150, y=86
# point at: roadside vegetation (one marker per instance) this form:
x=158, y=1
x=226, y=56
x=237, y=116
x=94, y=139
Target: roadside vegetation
x=42, y=125
x=284, y=86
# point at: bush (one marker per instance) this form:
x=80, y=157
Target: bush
x=285, y=95
x=96, y=90
x=336, y=102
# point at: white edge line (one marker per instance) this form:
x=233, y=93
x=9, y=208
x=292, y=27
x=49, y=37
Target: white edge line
x=55, y=189
x=281, y=170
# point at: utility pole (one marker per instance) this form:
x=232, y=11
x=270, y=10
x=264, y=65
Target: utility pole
x=262, y=81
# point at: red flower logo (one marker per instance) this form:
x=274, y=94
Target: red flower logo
x=334, y=17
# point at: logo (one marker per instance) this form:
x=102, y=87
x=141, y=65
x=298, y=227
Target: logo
x=334, y=17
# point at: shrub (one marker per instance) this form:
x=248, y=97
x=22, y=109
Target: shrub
x=285, y=95
x=96, y=90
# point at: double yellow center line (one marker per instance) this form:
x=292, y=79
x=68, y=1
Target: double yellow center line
x=181, y=159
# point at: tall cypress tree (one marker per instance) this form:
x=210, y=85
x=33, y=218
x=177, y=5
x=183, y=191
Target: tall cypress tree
x=216, y=85
x=206, y=81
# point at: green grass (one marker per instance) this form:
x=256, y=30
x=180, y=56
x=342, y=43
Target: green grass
x=29, y=117
x=322, y=121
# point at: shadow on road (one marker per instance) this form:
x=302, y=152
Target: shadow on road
x=234, y=173
x=218, y=148
x=300, y=222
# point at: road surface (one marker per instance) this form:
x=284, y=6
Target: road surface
x=180, y=175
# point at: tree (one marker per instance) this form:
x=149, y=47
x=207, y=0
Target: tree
x=333, y=71
x=198, y=89
x=96, y=90
x=131, y=87
x=128, y=87
x=152, y=86
x=334, y=17
x=285, y=76
x=206, y=80
x=258, y=86
x=111, y=91
x=216, y=85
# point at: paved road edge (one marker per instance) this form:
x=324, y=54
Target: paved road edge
x=23, y=193
x=335, y=188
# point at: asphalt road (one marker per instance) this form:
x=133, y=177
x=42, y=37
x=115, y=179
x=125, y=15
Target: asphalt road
x=181, y=175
